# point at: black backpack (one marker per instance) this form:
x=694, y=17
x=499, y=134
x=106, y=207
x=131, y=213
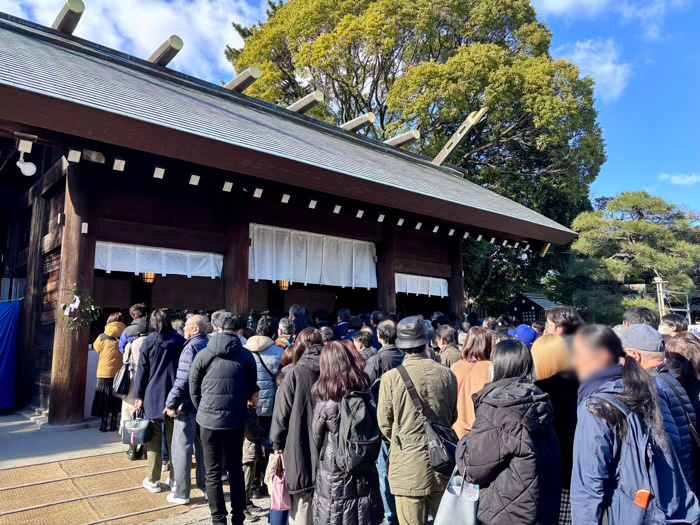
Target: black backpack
x=442, y=441
x=359, y=438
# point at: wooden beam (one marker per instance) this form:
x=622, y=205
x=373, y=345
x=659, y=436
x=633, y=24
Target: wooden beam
x=69, y=365
x=69, y=16
x=386, y=271
x=459, y=136
x=404, y=139
x=236, y=263
x=417, y=267
x=359, y=123
x=545, y=249
x=455, y=284
x=32, y=303
x=244, y=80
x=167, y=51
x=55, y=174
x=306, y=103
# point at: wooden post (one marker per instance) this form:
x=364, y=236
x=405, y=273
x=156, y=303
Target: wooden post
x=236, y=264
x=455, y=140
x=70, y=350
x=455, y=284
x=32, y=302
x=386, y=273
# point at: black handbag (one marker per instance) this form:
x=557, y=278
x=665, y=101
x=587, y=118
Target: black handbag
x=442, y=441
x=137, y=431
x=122, y=382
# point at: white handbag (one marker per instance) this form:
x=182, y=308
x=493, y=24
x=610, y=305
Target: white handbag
x=459, y=502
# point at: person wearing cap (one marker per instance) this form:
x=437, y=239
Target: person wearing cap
x=646, y=345
x=524, y=333
x=413, y=481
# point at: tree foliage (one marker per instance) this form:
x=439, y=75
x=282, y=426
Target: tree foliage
x=427, y=64
x=629, y=240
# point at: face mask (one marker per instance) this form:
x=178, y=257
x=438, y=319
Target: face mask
x=662, y=329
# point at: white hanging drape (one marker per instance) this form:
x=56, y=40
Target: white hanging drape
x=116, y=257
x=421, y=285
x=280, y=254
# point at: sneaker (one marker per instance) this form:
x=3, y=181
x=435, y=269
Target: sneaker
x=252, y=507
x=250, y=517
x=224, y=477
x=177, y=501
x=166, y=466
x=151, y=487
x=171, y=483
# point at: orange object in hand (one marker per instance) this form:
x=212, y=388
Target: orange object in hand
x=642, y=498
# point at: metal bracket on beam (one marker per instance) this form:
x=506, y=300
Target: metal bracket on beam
x=167, y=51
x=244, y=80
x=404, y=139
x=360, y=122
x=69, y=16
x=472, y=120
x=306, y=103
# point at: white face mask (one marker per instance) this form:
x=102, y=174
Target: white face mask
x=662, y=329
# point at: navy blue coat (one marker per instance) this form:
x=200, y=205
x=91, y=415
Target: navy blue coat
x=223, y=378
x=673, y=409
x=180, y=392
x=157, y=370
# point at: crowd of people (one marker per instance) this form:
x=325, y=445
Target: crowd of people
x=558, y=422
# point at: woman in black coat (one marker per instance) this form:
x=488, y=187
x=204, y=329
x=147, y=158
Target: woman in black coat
x=512, y=452
x=292, y=419
x=340, y=498
x=554, y=376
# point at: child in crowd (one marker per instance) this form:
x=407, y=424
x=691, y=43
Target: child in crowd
x=252, y=443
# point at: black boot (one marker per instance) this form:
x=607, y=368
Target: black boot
x=103, y=425
x=131, y=453
x=113, y=424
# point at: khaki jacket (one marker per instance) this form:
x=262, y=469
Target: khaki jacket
x=410, y=473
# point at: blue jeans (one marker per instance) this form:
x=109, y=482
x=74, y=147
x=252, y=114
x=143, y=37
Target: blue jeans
x=390, y=516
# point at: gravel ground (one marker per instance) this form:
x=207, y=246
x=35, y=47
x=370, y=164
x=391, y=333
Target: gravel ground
x=200, y=515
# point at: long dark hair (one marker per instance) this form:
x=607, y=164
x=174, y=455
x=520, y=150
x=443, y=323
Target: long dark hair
x=339, y=374
x=683, y=356
x=511, y=358
x=478, y=345
x=307, y=338
x=160, y=323
x=639, y=394
x=357, y=356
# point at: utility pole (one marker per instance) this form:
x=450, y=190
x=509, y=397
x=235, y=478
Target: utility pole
x=659, y=282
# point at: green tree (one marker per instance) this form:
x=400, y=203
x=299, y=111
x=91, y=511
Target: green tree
x=427, y=64
x=629, y=240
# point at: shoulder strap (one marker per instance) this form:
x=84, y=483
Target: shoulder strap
x=464, y=377
x=264, y=365
x=411, y=388
x=679, y=395
x=105, y=337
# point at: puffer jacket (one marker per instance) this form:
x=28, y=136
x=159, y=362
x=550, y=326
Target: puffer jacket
x=512, y=453
x=107, y=346
x=341, y=498
x=137, y=328
x=676, y=424
x=180, y=392
x=264, y=349
x=292, y=420
x=410, y=473
x=223, y=378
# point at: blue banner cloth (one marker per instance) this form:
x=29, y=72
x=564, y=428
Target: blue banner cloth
x=9, y=321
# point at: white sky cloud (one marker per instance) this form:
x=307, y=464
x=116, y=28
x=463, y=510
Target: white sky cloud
x=649, y=14
x=600, y=59
x=682, y=179
x=138, y=27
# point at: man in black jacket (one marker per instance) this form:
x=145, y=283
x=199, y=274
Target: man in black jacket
x=388, y=358
x=223, y=378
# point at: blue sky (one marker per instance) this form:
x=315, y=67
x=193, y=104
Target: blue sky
x=643, y=54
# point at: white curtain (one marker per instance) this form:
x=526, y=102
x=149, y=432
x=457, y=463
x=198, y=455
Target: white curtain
x=421, y=285
x=116, y=257
x=280, y=254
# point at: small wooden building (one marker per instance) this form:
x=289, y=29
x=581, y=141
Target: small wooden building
x=530, y=307
x=159, y=187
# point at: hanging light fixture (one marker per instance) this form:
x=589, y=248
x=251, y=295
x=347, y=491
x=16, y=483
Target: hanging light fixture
x=284, y=285
x=148, y=278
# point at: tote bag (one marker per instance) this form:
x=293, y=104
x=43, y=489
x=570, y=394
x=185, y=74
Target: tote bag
x=459, y=502
x=276, y=481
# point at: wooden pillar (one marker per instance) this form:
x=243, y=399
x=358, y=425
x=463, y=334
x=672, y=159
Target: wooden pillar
x=455, y=284
x=70, y=350
x=32, y=302
x=236, y=263
x=386, y=272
